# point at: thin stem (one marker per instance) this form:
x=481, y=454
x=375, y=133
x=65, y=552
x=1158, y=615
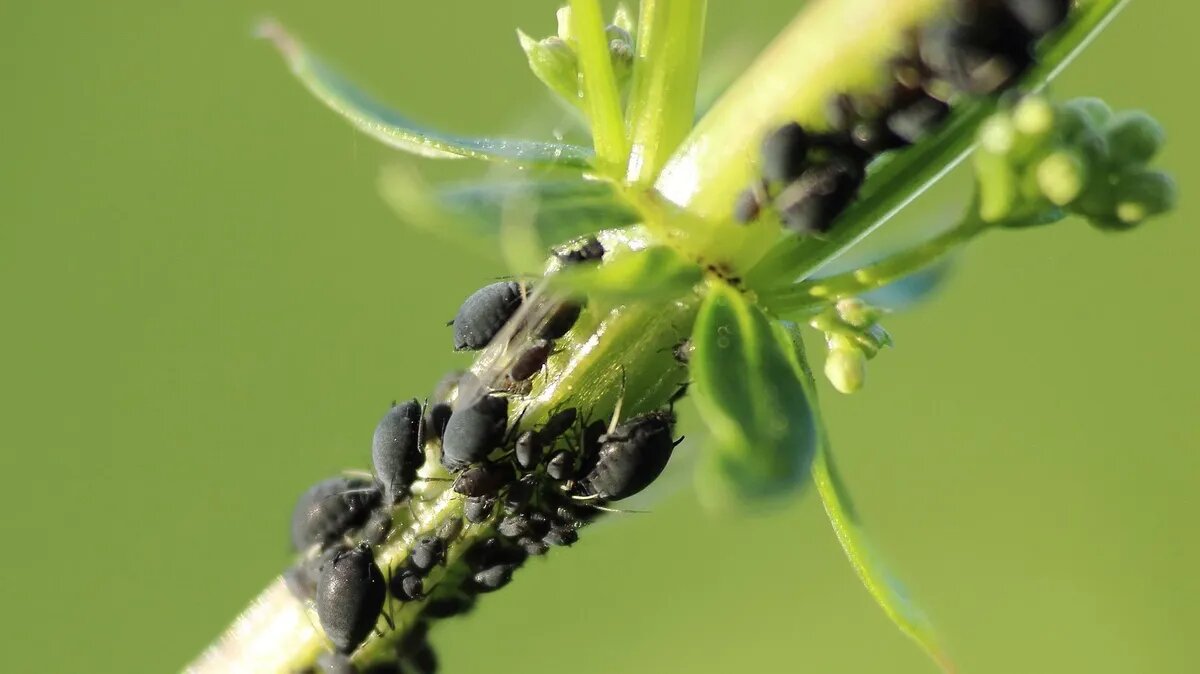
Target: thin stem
x=601, y=97
x=810, y=296
x=666, y=69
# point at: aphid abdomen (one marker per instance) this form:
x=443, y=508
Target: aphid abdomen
x=396, y=451
x=330, y=508
x=631, y=457
x=350, y=594
x=484, y=313
x=473, y=432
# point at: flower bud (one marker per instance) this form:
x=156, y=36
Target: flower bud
x=846, y=368
x=1134, y=137
x=620, y=50
x=1080, y=113
x=1061, y=177
x=1033, y=117
x=1144, y=194
x=554, y=62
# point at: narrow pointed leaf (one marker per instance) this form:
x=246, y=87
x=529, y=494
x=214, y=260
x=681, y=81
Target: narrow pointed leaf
x=748, y=384
x=655, y=273
x=393, y=129
x=885, y=588
x=490, y=216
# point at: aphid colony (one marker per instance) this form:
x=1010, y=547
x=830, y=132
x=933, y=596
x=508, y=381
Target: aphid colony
x=530, y=488
x=809, y=177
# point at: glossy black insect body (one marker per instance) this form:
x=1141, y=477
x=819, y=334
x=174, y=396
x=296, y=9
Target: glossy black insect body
x=785, y=153
x=378, y=526
x=588, y=250
x=427, y=552
x=350, y=595
x=1040, y=16
x=812, y=203
x=423, y=660
x=473, y=432
x=748, y=205
x=558, y=423
x=483, y=480
x=330, y=508
x=436, y=419
x=914, y=121
x=514, y=526
x=534, y=547
x=493, y=552
x=479, y=509
x=484, y=313
x=408, y=586
x=984, y=49
x=528, y=451
x=560, y=320
x=447, y=607
x=493, y=578
x=531, y=360
x=396, y=451
x=631, y=457
x=560, y=466
x=561, y=535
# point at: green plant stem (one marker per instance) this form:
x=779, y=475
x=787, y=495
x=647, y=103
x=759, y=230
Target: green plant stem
x=666, y=69
x=601, y=97
x=810, y=296
x=896, y=182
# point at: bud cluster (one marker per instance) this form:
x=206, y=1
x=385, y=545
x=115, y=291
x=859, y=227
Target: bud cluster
x=555, y=61
x=853, y=336
x=1038, y=162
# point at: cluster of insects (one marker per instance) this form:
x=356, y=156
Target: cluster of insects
x=809, y=177
x=530, y=487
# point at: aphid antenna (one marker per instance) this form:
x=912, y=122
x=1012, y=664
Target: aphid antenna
x=363, y=474
x=616, y=417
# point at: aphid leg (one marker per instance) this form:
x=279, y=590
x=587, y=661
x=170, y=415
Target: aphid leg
x=620, y=402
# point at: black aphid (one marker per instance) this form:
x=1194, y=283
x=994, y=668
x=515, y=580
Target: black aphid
x=446, y=607
x=590, y=445
x=748, y=205
x=558, y=423
x=785, y=153
x=534, y=547
x=514, y=526
x=427, y=552
x=484, y=313
x=330, y=508
x=408, y=585
x=812, y=203
x=493, y=578
x=396, y=451
x=560, y=320
x=436, y=418
x=561, y=535
x=588, y=250
x=483, y=480
x=528, y=451
x=350, y=595
x=473, y=432
x=682, y=351
x=378, y=526
x=518, y=494
x=531, y=360
x=492, y=552
x=450, y=529
x=982, y=51
x=914, y=121
x=479, y=509
x=423, y=660
x=560, y=466
x=631, y=456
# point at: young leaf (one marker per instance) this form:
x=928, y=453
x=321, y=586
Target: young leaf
x=392, y=129
x=655, y=273
x=489, y=215
x=748, y=383
x=883, y=587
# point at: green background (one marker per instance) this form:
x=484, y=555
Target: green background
x=206, y=307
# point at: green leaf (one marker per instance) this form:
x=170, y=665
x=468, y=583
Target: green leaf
x=518, y=219
x=654, y=273
x=748, y=384
x=874, y=574
x=894, y=182
x=393, y=129
x=912, y=289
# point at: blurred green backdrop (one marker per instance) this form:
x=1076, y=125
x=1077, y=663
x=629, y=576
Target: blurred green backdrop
x=206, y=307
